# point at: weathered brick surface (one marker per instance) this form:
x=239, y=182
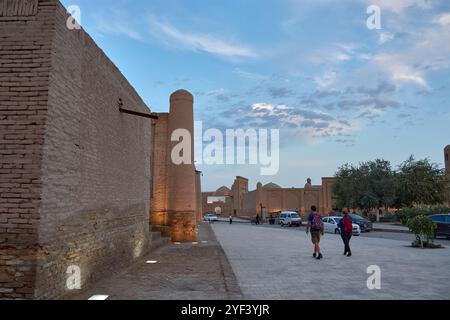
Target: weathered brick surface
x=25, y=47
x=198, y=192
x=159, y=201
x=75, y=173
x=18, y=8
x=174, y=190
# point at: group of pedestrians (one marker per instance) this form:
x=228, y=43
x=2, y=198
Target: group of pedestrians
x=315, y=227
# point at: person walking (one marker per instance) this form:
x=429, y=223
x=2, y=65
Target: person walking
x=316, y=227
x=346, y=227
x=231, y=219
x=257, y=220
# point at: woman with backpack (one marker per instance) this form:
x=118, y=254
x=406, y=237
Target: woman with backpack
x=346, y=227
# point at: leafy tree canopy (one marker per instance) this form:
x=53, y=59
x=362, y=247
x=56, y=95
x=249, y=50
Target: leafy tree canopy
x=374, y=184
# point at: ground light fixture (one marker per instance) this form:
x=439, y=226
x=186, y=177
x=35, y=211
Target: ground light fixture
x=99, y=297
x=151, y=262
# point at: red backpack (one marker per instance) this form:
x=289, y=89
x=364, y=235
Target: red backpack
x=348, y=225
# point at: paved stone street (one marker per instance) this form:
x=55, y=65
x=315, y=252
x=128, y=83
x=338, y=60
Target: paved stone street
x=182, y=272
x=275, y=263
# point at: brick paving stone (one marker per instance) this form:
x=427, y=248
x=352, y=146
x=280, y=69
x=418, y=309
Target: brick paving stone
x=186, y=271
x=274, y=263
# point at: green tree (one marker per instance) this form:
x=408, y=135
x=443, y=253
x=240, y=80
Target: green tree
x=369, y=186
x=343, y=188
x=420, y=182
x=378, y=180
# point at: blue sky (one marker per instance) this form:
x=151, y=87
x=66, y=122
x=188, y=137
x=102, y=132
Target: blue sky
x=337, y=91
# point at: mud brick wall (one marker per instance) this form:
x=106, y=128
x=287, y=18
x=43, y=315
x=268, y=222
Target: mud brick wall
x=198, y=191
x=18, y=8
x=25, y=59
x=159, y=201
x=78, y=190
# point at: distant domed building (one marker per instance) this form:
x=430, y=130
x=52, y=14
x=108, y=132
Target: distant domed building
x=267, y=200
x=219, y=202
x=223, y=191
x=272, y=186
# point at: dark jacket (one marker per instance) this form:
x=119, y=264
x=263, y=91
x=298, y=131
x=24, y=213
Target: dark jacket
x=341, y=226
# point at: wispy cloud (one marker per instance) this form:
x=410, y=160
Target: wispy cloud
x=326, y=80
x=116, y=24
x=443, y=19
x=309, y=125
x=282, y=92
x=429, y=51
x=415, y=52
x=336, y=54
x=400, y=6
x=250, y=75
x=385, y=37
x=199, y=41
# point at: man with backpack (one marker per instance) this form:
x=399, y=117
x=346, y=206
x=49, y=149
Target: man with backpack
x=346, y=227
x=316, y=227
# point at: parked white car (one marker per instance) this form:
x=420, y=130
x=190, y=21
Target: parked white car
x=331, y=226
x=290, y=218
x=211, y=217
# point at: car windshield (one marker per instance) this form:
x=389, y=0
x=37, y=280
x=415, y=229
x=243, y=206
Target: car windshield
x=295, y=216
x=337, y=220
x=355, y=217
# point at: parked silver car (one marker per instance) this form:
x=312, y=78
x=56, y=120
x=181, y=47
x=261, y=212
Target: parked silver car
x=331, y=226
x=209, y=217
